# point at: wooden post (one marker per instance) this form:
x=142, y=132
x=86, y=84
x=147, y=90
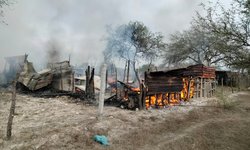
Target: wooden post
x=144, y=97
x=128, y=71
x=205, y=88
x=116, y=85
x=73, y=82
x=209, y=88
x=102, y=90
x=215, y=86
x=106, y=80
x=162, y=99
x=169, y=98
x=87, y=73
x=156, y=101
x=124, y=77
x=149, y=100
x=92, y=84
x=12, y=110
x=201, y=88
x=195, y=88
x=141, y=97
x=61, y=80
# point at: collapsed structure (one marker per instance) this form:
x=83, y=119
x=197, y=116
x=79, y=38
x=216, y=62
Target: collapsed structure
x=58, y=75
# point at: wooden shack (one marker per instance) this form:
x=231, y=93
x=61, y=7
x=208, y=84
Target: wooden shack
x=163, y=88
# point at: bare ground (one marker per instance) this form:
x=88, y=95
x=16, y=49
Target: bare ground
x=62, y=123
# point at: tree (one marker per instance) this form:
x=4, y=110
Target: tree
x=2, y=4
x=196, y=45
x=134, y=42
x=232, y=26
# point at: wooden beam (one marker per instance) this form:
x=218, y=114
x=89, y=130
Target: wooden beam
x=201, y=87
x=12, y=110
x=128, y=71
x=102, y=90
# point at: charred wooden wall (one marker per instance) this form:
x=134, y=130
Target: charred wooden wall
x=196, y=80
x=162, y=82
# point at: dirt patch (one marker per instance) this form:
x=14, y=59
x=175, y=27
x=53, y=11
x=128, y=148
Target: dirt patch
x=201, y=128
x=60, y=123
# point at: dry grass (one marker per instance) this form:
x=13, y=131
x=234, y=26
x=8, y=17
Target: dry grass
x=202, y=128
x=59, y=124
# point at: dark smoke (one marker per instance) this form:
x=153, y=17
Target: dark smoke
x=53, y=52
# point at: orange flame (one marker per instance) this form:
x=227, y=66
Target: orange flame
x=160, y=100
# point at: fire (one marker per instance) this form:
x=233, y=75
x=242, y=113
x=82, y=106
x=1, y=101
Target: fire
x=187, y=93
x=160, y=100
x=163, y=99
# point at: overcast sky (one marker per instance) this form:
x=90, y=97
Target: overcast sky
x=79, y=26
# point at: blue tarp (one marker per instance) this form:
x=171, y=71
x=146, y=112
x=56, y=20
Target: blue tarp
x=102, y=139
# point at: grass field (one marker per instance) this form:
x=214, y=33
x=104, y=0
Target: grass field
x=62, y=123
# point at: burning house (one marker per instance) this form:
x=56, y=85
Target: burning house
x=163, y=88
x=170, y=87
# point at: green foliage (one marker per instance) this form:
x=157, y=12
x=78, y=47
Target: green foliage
x=3, y=3
x=232, y=26
x=196, y=45
x=223, y=99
